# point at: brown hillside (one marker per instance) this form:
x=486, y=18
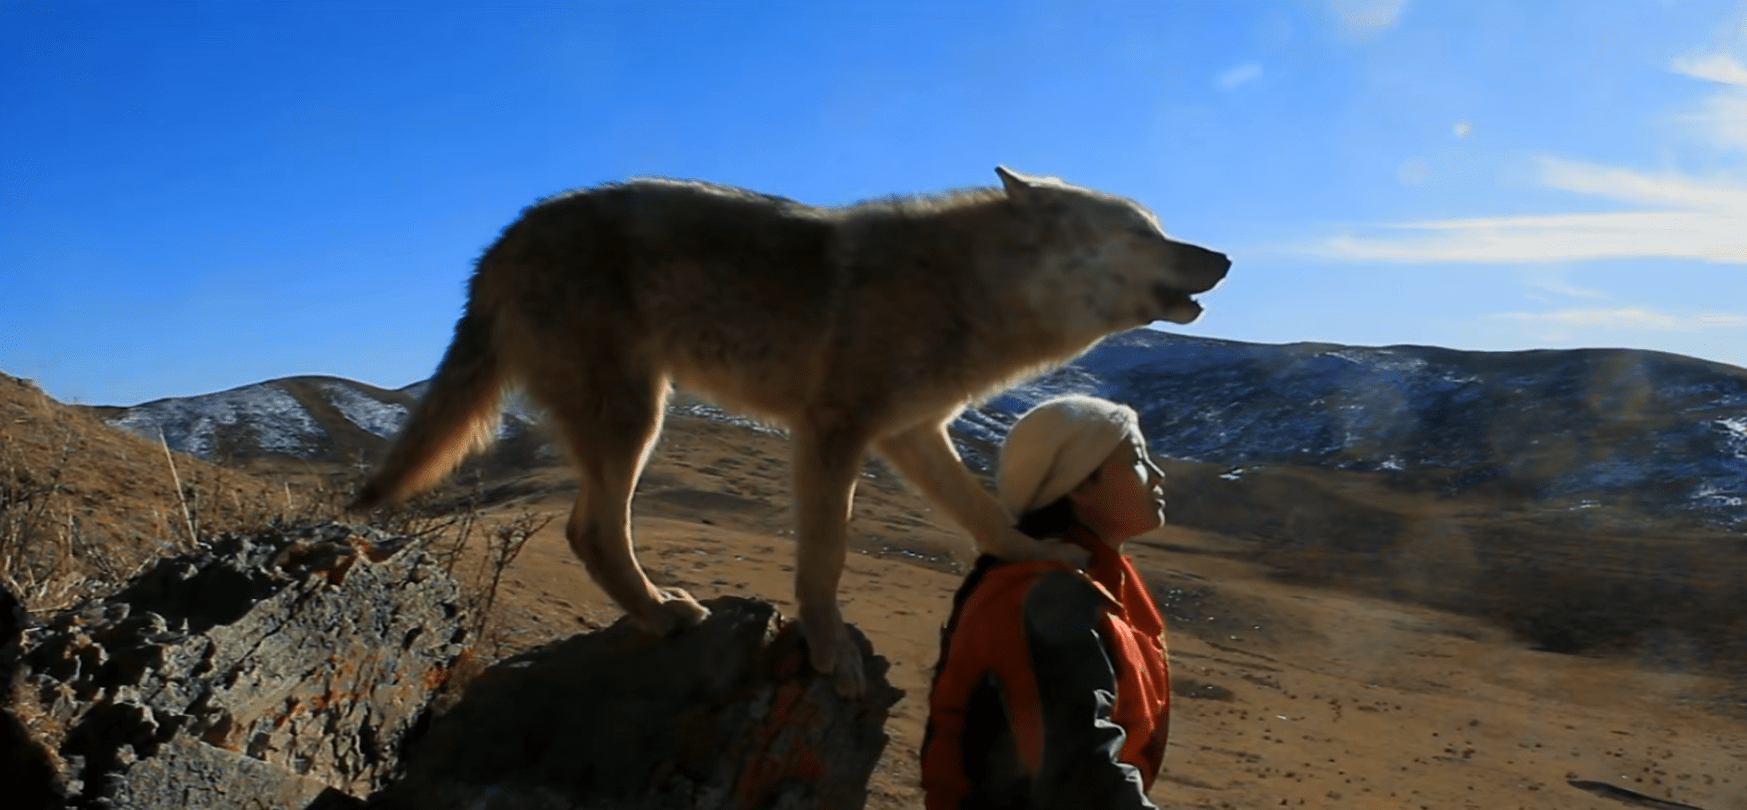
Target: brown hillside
x=80, y=499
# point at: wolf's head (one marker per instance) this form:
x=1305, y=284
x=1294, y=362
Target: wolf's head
x=1102, y=261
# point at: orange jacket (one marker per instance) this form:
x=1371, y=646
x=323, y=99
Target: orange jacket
x=1052, y=689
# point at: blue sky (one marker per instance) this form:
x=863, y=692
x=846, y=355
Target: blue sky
x=195, y=196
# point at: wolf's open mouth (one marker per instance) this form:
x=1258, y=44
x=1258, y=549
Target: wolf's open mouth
x=1176, y=305
x=1173, y=297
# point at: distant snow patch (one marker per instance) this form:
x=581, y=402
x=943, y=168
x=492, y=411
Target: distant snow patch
x=1716, y=496
x=713, y=412
x=1735, y=434
x=520, y=414
x=381, y=418
x=280, y=423
x=1378, y=358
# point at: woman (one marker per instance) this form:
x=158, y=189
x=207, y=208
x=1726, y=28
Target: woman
x=1053, y=689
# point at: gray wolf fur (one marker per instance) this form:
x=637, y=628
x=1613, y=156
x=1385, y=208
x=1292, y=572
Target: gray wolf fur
x=868, y=326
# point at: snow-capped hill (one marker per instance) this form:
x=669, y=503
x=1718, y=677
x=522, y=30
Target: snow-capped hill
x=313, y=418
x=1595, y=426
x=270, y=418
x=367, y=412
x=1640, y=428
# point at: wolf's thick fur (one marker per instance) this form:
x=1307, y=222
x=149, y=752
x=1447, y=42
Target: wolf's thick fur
x=864, y=326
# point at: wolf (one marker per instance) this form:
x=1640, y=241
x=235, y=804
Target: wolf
x=860, y=327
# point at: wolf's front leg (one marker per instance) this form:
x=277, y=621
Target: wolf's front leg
x=924, y=455
x=825, y=468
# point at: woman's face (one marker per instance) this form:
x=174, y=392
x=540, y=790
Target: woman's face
x=1125, y=498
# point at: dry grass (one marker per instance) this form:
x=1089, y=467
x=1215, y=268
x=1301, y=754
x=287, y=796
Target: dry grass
x=41, y=539
x=84, y=506
x=67, y=532
x=447, y=522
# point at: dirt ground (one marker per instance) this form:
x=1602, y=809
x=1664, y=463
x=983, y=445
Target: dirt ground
x=1287, y=696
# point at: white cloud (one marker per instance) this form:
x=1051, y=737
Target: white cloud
x=1671, y=190
x=1242, y=74
x=1626, y=318
x=1554, y=280
x=1684, y=217
x=1722, y=118
x=1699, y=220
x=1701, y=235
x=1368, y=16
x=1717, y=68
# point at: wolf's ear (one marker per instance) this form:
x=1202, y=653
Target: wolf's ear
x=1019, y=186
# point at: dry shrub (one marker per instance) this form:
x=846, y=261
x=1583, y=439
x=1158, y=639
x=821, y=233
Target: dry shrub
x=60, y=542
x=40, y=536
x=446, y=522
x=84, y=506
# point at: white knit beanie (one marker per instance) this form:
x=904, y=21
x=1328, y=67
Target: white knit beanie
x=1054, y=446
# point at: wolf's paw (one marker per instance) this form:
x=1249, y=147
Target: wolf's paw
x=1016, y=545
x=676, y=610
x=837, y=655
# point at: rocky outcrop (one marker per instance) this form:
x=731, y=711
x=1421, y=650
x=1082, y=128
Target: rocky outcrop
x=284, y=669
x=724, y=716
x=297, y=668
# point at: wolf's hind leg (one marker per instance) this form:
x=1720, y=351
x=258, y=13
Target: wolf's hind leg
x=923, y=454
x=825, y=466
x=609, y=438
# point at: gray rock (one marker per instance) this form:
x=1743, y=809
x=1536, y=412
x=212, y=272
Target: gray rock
x=292, y=669
x=270, y=665
x=189, y=775
x=724, y=715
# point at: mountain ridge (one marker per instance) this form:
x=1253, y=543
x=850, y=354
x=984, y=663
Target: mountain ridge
x=1658, y=432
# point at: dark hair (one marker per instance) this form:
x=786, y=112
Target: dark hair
x=1053, y=518
x=1049, y=520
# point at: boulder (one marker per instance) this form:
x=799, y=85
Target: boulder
x=279, y=670
x=303, y=669
x=725, y=715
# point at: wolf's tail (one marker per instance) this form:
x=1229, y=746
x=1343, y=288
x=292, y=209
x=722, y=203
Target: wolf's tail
x=457, y=417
